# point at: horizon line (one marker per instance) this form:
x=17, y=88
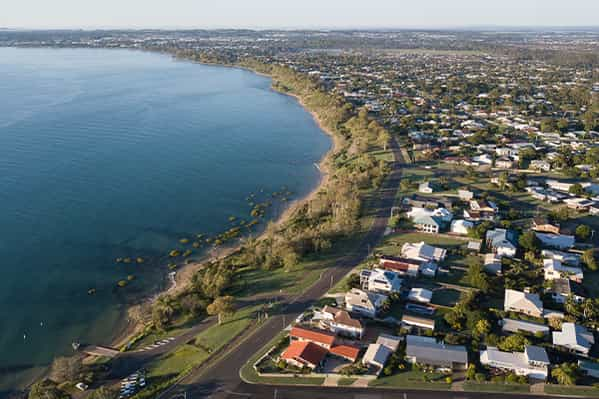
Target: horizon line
x=305, y=28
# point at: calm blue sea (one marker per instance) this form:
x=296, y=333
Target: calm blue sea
x=109, y=153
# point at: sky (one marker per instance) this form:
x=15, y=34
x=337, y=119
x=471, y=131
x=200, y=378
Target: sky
x=295, y=14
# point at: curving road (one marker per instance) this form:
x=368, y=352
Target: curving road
x=220, y=379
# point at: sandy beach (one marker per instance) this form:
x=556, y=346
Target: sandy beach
x=134, y=318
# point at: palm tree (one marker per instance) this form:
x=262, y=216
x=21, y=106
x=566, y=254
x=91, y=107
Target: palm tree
x=589, y=310
x=565, y=374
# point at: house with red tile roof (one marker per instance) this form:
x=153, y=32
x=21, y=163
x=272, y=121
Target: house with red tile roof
x=304, y=354
x=319, y=337
x=347, y=352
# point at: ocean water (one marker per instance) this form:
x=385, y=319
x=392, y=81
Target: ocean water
x=112, y=153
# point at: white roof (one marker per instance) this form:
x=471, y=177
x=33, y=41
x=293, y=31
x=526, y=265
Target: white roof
x=422, y=251
x=376, y=354
x=573, y=336
x=420, y=295
x=522, y=300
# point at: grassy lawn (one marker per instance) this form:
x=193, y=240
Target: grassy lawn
x=565, y=390
x=445, y=297
x=207, y=342
x=217, y=336
x=346, y=381
x=412, y=379
x=292, y=380
x=175, y=362
x=393, y=243
x=472, y=386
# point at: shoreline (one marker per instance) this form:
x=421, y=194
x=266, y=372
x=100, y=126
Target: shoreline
x=133, y=323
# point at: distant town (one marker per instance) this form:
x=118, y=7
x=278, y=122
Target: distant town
x=485, y=276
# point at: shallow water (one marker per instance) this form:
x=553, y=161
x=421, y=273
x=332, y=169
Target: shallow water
x=111, y=153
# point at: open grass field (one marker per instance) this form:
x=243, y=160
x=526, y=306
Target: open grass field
x=413, y=380
x=471, y=386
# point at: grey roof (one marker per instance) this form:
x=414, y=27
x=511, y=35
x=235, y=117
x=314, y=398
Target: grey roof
x=513, y=325
x=427, y=350
x=536, y=354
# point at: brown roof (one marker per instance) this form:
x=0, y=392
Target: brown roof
x=342, y=317
x=305, y=351
x=347, y=351
x=322, y=337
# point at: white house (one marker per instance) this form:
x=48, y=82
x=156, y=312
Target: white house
x=533, y=362
x=341, y=323
x=554, y=269
x=575, y=338
x=423, y=252
x=426, y=350
x=460, y=226
x=502, y=242
x=365, y=303
x=425, y=187
x=383, y=281
x=421, y=295
x=523, y=302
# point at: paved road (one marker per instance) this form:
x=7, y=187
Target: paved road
x=220, y=379
x=250, y=391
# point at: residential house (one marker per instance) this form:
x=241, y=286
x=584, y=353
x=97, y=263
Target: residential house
x=502, y=242
x=426, y=187
x=420, y=322
x=460, y=226
x=542, y=225
x=318, y=337
x=492, y=264
x=562, y=288
x=567, y=258
x=540, y=165
x=533, y=362
x=521, y=326
x=421, y=295
x=383, y=281
x=589, y=368
x=504, y=163
x=403, y=267
x=365, y=303
x=347, y=352
x=304, y=354
x=430, y=220
x=559, y=241
x=554, y=269
x=426, y=350
x=523, y=302
x=423, y=252
x=579, y=204
x=378, y=353
x=341, y=323
x=575, y=338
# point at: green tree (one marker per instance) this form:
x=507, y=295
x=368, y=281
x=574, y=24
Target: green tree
x=577, y=189
x=66, y=368
x=513, y=343
x=383, y=138
x=45, y=389
x=589, y=259
x=565, y=374
x=222, y=306
x=529, y=241
x=583, y=232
